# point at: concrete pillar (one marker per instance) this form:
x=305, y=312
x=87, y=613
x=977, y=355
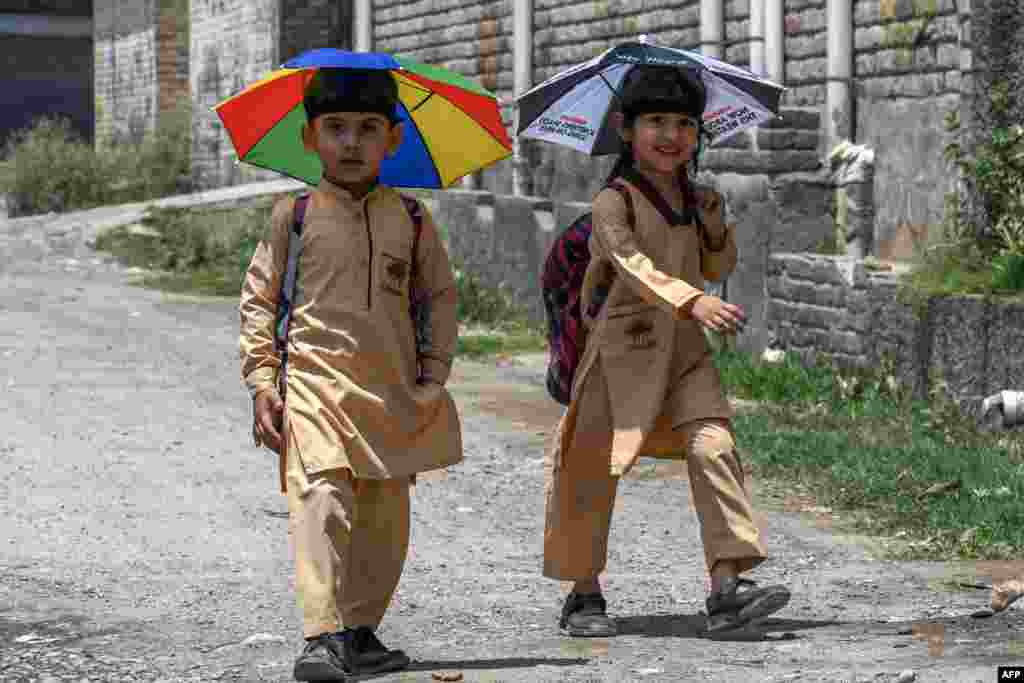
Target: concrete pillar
x=838, y=102
x=712, y=27
x=362, y=41
x=757, y=37
x=522, y=50
x=775, y=40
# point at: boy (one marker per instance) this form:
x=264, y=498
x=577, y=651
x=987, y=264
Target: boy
x=363, y=410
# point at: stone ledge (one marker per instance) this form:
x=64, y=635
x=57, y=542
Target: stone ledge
x=787, y=139
x=776, y=162
x=796, y=119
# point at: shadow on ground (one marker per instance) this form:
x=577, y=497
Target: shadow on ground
x=489, y=664
x=692, y=626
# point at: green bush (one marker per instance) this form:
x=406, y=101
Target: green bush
x=51, y=168
x=483, y=305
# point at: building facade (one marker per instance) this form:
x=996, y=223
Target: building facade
x=880, y=73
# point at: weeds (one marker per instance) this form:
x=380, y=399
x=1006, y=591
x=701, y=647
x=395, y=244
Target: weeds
x=860, y=443
x=51, y=168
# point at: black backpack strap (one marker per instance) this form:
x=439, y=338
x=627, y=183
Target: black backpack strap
x=286, y=299
x=412, y=206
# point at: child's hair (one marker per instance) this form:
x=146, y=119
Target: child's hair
x=351, y=90
x=647, y=90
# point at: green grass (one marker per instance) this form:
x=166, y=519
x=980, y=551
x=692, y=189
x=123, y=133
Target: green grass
x=480, y=346
x=192, y=251
x=857, y=444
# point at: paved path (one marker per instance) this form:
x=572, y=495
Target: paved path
x=143, y=538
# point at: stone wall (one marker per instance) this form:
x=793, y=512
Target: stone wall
x=472, y=37
x=836, y=308
x=907, y=78
x=308, y=24
x=806, y=49
x=125, y=36
x=141, y=57
x=233, y=43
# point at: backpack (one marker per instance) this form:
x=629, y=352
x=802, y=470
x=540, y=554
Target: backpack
x=286, y=299
x=561, y=282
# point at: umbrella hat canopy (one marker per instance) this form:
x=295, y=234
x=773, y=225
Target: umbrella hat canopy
x=571, y=108
x=452, y=126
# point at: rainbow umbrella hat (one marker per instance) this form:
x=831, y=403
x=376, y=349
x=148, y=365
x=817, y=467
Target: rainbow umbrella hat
x=452, y=126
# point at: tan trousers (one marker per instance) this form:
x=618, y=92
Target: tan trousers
x=581, y=495
x=350, y=538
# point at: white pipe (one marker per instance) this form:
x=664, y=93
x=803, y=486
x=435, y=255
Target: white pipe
x=757, y=37
x=774, y=40
x=712, y=27
x=522, y=51
x=838, y=124
x=362, y=41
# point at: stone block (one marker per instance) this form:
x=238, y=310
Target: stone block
x=1005, y=345
x=517, y=257
x=898, y=334
x=813, y=268
x=776, y=162
x=469, y=219
x=787, y=139
x=797, y=119
x=811, y=95
x=959, y=350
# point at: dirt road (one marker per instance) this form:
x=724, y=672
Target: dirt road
x=144, y=540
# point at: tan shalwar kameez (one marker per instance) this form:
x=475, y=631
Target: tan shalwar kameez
x=646, y=385
x=358, y=426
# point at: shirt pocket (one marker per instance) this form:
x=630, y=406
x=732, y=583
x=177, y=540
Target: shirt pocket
x=394, y=274
x=629, y=329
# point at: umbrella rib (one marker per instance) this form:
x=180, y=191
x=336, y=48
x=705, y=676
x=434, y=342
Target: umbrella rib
x=422, y=102
x=615, y=93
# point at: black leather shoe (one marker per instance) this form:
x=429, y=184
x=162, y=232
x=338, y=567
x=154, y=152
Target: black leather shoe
x=730, y=608
x=365, y=654
x=321, y=660
x=585, y=616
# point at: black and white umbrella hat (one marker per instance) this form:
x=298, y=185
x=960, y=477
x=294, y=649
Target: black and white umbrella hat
x=572, y=107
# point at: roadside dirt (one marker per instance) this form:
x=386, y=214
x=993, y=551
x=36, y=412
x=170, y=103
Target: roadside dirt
x=144, y=539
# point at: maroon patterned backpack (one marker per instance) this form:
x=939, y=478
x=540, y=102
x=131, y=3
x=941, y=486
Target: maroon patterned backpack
x=560, y=285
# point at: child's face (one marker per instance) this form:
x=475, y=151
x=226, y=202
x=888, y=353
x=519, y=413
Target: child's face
x=662, y=142
x=352, y=145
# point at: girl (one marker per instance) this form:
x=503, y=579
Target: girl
x=646, y=384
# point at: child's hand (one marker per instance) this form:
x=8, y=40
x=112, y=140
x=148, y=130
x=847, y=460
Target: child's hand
x=268, y=417
x=717, y=315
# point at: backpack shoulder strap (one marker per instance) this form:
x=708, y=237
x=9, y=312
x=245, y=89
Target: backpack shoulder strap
x=627, y=197
x=295, y=246
x=412, y=206
x=286, y=297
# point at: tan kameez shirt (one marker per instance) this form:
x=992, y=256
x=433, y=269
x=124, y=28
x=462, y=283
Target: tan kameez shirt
x=657, y=365
x=353, y=400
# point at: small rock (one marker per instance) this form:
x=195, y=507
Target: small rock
x=262, y=639
x=447, y=675
x=907, y=676
x=982, y=614
x=906, y=631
